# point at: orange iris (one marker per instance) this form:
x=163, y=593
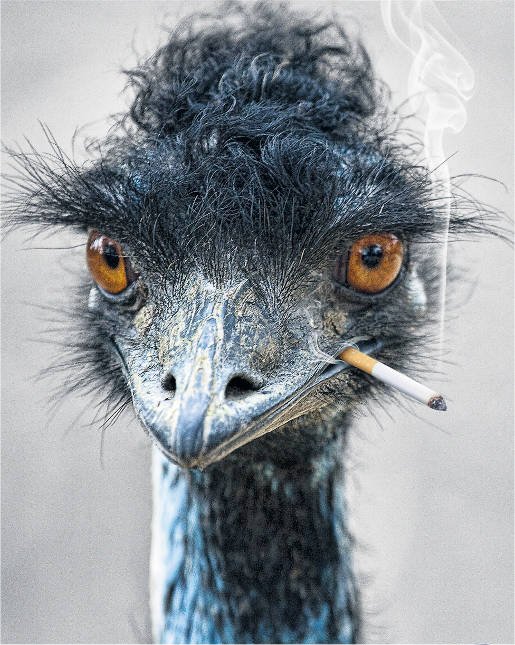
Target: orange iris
x=374, y=262
x=106, y=263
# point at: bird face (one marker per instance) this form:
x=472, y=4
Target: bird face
x=252, y=213
x=228, y=330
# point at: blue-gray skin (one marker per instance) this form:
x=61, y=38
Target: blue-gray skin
x=255, y=154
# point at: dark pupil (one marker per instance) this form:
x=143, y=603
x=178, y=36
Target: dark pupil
x=111, y=256
x=372, y=255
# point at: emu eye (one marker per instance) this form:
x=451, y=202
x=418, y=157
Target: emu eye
x=373, y=263
x=107, y=265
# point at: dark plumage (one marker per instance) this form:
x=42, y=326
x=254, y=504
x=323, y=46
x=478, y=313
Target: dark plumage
x=257, y=149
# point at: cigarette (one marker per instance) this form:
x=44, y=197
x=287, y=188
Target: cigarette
x=391, y=377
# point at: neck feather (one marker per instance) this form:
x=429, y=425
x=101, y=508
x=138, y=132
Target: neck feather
x=251, y=553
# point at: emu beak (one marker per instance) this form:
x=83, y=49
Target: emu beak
x=209, y=401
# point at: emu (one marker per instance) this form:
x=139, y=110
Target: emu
x=220, y=217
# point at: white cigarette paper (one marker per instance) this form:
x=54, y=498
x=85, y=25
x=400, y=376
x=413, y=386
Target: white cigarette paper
x=399, y=381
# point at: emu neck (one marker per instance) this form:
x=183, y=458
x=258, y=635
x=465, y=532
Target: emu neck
x=250, y=553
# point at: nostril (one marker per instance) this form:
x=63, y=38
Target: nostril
x=239, y=386
x=169, y=383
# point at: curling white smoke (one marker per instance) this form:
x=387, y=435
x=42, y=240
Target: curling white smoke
x=439, y=83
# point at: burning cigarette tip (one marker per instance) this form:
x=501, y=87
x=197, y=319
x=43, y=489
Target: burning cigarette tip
x=437, y=403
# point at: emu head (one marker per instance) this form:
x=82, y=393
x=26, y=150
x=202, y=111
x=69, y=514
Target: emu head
x=253, y=213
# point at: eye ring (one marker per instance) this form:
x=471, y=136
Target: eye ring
x=372, y=265
x=108, y=265
x=128, y=297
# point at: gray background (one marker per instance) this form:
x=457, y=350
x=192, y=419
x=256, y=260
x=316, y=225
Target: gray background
x=432, y=497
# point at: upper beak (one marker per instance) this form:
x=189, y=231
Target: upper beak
x=210, y=401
